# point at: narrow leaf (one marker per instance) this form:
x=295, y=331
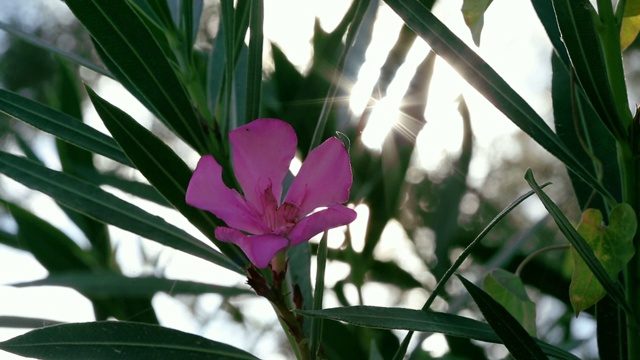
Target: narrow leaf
x=613, y=247
x=131, y=47
x=135, y=188
x=11, y=240
x=50, y=246
x=33, y=40
x=121, y=340
x=107, y=284
x=158, y=12
x=24, y=322
x=547, y=16
x=161, y=166
x=579, y=127
x=508, y=290
x=424, y=321
x=520, y=344
x=465, y=253
x=576, y=24
x=215, y=70
x=579, y=244
x=482, y=77
x=76, y=161
x=254, y=74
x=318, y=294
x=60, y=125
x=97, y=203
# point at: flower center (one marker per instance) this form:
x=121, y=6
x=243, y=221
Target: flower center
x=279, y=218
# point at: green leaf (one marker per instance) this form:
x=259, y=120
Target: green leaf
x=425, y=321
x=97, y=203
x=107, y=284
x=508, y=290
x=473, y=13
x=139, y=189
x=354, y=17
x=300, y=273
x=315, y=332
x=254, y=71
x=580, y=36
x=161, y=166
x=121, y=340
x=50, y=246
x=341, y=341
x=24, y=322
x=547, y=16
x=519, y=343
x=632, y=8
x=629, y=30
x=465, y=253
x=484, y=79
x=11, y=240
x=33, y=40
x=190, y=12
x=164, y=36
x=241, y=19
x=239, y=89
x=158, y=12
x=133, y=50
x=613, y=247
x=580, y=245
x=215, y=70
x=60, y=125
x=390, y=273
x=26, y=149
x=76, y=161
x=580, y=128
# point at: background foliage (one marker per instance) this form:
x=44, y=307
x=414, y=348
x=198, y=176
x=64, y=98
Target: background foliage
x=200, y=69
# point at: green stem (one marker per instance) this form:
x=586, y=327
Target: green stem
x=537, y=253
x=629, y=177
x=609, y=29
x=270, y=283
x=294, y=328
x=620, y=10
x=316, y=324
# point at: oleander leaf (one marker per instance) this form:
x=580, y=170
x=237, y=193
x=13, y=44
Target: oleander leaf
x=115, y=339
x=612, y=245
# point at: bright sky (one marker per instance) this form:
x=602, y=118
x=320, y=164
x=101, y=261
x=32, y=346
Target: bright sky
x=514, y=45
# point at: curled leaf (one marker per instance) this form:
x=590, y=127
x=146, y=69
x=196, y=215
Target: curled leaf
x=613, y=247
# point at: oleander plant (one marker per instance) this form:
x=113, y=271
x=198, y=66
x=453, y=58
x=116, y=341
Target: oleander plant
x=265, y=164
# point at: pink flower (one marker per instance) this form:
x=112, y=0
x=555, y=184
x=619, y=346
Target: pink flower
x=259, y=222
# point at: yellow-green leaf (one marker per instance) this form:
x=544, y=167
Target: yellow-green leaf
x=630, y=23
x=473, y=13
x=507, y=289
x=632, y=8
x=613, y=247
x=629, y=30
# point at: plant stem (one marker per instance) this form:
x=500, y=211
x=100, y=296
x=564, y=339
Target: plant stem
x=629, y=177
x=609, y=29
x=539, y=252
x=271, y=286
x=302, y=350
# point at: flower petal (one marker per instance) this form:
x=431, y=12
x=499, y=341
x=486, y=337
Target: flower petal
x=324, y=178
x=207, y=191
x=260, y=249
x=320, y=221
x=262, y=152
